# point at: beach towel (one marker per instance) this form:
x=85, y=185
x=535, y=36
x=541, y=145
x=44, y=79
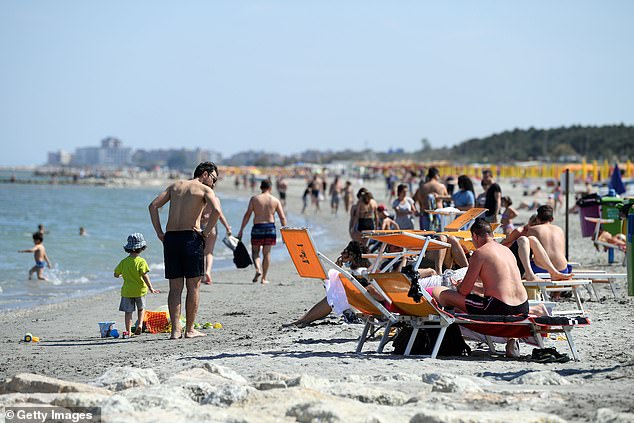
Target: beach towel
x=231, y=242
x=241, y=257
x=335, y=293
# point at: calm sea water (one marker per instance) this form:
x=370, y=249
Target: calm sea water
x=83, y=265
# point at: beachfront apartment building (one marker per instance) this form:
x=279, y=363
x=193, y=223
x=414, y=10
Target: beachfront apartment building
x=111, y=153
x=59, y=158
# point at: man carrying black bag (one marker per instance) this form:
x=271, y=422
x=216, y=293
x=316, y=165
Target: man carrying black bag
x=263, y=233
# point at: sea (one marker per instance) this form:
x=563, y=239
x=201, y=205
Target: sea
x=83, y=265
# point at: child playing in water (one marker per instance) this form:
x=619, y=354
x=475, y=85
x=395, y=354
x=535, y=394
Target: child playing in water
x=136, y=282
x=39, y=254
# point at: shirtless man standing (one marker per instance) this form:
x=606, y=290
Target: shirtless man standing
x=184, y=242
x=263, y=235
x=495, y=266
x=434, y=187
x=548, y=244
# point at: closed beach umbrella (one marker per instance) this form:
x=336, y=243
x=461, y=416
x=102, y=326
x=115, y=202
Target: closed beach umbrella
x=616, y=182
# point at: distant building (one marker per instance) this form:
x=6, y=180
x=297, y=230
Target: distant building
x=174, y=158
x=59, y=158
x=255, y=158
x=110, y=154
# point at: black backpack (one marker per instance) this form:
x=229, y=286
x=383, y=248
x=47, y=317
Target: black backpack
x=241, y=256
x=452, y=343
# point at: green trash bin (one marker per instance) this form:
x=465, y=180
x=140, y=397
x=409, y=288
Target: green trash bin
x=610, y=210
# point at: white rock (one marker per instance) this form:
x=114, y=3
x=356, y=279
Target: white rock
x=165, y=397
x=452, y=383
x=471, y=416
x=544, y=377
x=119, y=378
x=368, y=394
x=308, y=381
x=66, y=400
x=30, y=383
x=315, y=412
x=607, y=415
x=227, y=395
x=225, y=373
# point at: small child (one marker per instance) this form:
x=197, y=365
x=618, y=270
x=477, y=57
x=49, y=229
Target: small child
x=136, y=282
x=39, y=254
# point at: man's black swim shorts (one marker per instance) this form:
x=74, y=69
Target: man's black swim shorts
x=183, y=254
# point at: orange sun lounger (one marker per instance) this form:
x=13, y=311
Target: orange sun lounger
x=409, y=241
x=308, y=262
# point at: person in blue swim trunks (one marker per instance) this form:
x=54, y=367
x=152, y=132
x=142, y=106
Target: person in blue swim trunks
x=547, y=243
x=40, y=256
x=263, y=206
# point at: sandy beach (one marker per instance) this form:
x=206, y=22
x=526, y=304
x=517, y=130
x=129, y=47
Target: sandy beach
x=252, y=370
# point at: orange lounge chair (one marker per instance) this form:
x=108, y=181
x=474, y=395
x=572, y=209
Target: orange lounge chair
x=410, y=241
x=308, y=262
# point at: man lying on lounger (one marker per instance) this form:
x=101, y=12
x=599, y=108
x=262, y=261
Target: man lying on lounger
x=495, y=266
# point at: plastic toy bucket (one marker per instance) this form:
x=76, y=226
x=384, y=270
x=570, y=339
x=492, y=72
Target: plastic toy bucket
x=105, y=328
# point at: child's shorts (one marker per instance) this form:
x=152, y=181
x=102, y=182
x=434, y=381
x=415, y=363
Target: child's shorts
x=128, y=305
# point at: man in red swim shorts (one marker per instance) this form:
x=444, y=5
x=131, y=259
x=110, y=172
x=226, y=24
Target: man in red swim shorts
x=263, y=234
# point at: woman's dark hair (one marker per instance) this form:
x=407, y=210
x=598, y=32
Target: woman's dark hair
x=366, y=197
x=136, y=251
x=465, y=184
x=400, y=188
x=355, y=249
x=361, y=192
x=205, y=167
x=507, y=200
x=490, y=202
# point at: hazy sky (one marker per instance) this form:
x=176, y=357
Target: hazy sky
x=286, y=76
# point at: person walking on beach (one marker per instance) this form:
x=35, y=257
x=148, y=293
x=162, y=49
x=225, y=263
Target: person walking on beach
x=183, y=241
x=347, y=196
x=263, y=235
x=136, y=282
x=335, y=195
x=40, y=256
x=282, y=186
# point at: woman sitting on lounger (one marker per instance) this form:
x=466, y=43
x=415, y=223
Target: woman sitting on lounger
x=351, y=258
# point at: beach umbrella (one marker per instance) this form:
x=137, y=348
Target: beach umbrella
x=616, y=183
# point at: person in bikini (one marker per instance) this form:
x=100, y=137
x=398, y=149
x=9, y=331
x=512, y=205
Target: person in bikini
x=508, y=215
x=210, y=242
x=184, y=241
x=365, y=215
x=263, y=234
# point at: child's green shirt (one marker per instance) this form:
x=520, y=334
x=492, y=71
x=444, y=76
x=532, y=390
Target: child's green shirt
x=132, y=269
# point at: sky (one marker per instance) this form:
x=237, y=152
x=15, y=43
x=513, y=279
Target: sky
x=287, y=76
